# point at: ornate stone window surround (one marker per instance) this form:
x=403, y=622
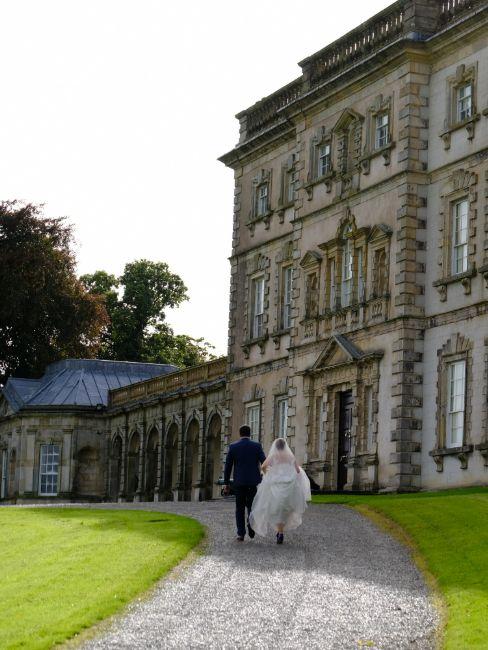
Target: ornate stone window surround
x=322, y=137
x=381, y=107
x=310, y=264
x=283, y=261
x=258, y=267
x=348, y=134
x=378, y=297
x=334, y=251
x=464, y=76
x=457, y=348
x=289, y=175
x=461, y=185
x=259, y=212
x=280, y=394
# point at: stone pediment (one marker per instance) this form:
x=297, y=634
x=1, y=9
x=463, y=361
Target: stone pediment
x=311, y=258
x=340, y=350
x=379, y=231
x=346, y=119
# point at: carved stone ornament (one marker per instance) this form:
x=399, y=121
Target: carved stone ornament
x=439, y=462
x=463, y=459
x=483, y=449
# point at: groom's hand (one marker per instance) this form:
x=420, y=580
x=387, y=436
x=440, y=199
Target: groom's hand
x=226, y=490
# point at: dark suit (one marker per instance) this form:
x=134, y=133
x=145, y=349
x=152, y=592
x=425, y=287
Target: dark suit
x=244, y=456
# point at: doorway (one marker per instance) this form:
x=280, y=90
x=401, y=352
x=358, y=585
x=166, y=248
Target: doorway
x=345, y=422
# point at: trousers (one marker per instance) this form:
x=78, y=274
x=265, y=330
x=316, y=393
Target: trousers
x=244, y=497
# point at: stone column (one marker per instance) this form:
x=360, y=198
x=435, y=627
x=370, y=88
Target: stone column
x=141, y=465
x=160, y=471
x=123, y=463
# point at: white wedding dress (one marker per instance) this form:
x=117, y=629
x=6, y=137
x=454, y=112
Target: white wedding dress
x=282, y=495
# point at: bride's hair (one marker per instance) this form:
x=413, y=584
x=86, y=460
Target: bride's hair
x=280, y=452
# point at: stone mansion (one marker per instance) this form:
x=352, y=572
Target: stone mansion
x=358, y=323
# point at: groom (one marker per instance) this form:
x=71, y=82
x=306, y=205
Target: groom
x=245, y=456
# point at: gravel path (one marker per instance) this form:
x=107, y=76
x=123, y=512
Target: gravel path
x=337, y=582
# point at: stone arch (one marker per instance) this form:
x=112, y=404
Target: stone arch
x=213, y=454
x=152, y=449
x=133, y=464
x=12, y=464
x=88, y=479
x=191, y=467
x=115, y=467
x=170, y=460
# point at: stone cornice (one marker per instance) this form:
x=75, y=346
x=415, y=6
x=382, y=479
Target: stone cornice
x=406, y=26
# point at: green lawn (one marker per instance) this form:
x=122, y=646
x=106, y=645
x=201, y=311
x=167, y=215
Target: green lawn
x=64, y=569
x=450, y=531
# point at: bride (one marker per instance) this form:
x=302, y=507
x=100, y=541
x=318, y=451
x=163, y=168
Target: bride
x=282, y=495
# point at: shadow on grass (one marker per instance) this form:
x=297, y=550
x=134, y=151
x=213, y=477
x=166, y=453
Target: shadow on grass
x=137, y=522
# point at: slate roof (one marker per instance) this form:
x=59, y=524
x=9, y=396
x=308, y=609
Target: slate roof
x=78, y=383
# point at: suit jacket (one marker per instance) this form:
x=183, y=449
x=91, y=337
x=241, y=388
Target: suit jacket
x=244, y=456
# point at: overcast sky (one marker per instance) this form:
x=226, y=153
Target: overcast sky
x=113, y=113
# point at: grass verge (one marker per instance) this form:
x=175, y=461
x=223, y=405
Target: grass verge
x=448, y=532
x=65, y=569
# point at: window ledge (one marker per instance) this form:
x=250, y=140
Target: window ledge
x=263, y=218
x=282, y=332
x=260, y=341
x=461, y=452
x=484, y=272
x=368, y=156
x=467, y=124
x=326, y=179
x=278, y=334
x=482, y=447
x=464, y=278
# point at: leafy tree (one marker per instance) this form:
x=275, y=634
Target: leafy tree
x=46, y=313
x=136, y=304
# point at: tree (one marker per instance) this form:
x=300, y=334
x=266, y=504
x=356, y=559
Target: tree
x=46, y=313
x=136, y=304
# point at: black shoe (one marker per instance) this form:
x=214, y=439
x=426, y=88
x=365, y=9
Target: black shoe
x=240, y=538
x=250, y=532
x=279, y=538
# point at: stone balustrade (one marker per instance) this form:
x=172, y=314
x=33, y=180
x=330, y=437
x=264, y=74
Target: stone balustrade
x=417, y=19
x=169, y=383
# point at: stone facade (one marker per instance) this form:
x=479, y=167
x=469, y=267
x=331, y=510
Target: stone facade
x=157, y=437
x=364, y=183
x=358, y=298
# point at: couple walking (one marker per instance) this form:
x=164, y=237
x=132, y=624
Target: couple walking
x=278, y=501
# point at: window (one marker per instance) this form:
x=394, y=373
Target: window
x=382, y=136
x=361, y=284
x=282, y=413
x=456, y=397
x=253, y=419
x=347, y=275
x=291, y=182
x=262, y=200
x=311, y=296
x=460, y=237
x=48, y=470
x=286, y=297
x=257, y=307
x=332, y=296
x=380, y=284
x=323, y=160
x=464, y=105
x=368, y=416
